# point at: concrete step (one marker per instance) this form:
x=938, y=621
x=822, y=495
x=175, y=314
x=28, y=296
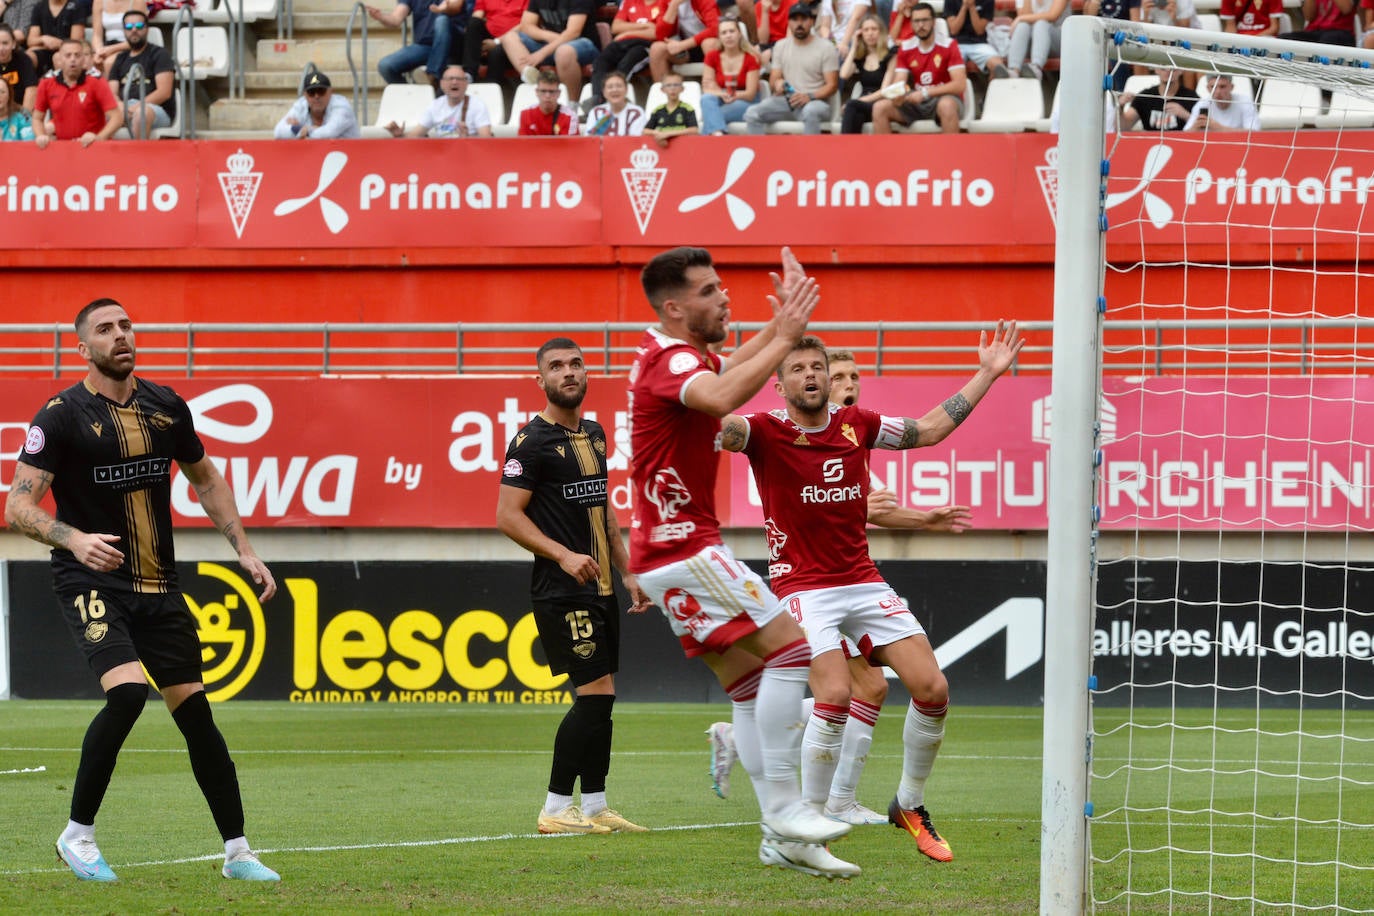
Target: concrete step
x=329, y=54
x=284, y=84
x=259, y=113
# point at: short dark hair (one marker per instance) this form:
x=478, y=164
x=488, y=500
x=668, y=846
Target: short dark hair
x=808, y=342
x=666, y=273
x=927, y=7
x=139, y=13
x=556, y=343
x=83, y=317
x=618, y=75
x=548, y=78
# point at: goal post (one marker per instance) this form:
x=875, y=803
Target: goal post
x=1245, y=345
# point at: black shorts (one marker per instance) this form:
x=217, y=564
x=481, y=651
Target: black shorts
x=114, y=627
x=581, y=636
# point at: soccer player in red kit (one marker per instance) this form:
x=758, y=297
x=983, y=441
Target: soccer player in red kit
x=721, y=611
x=811, y=463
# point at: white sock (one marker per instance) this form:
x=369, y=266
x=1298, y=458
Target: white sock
x=553, y=804
x=921, y=739
x=593, y=803
x=77, y=831
x=237, y=845
x=808, y=708
x=778, y=712
x=747, y=744
x=821, y=750
x=858, y=738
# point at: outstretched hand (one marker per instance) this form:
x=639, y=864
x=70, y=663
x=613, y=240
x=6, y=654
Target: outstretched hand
x=794, y=310
x=956, y=519
x=996, y=357
x=792, y=274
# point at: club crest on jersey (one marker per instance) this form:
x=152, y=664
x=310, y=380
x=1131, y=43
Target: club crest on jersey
x=584, y=649
x=161, y=421
x=848, y=432
x=600, y=446
x=513, y=468
x=96, y=630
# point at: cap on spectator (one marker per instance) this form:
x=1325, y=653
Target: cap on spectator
x=317, y=80
x=801, y=9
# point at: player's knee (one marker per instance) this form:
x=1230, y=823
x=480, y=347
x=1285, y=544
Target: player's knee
x=127, y=700
x=871, y=688
x=933, y=691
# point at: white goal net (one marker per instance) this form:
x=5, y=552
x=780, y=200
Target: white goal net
x=1209, y=721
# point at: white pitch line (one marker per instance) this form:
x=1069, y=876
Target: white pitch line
x=23, y=770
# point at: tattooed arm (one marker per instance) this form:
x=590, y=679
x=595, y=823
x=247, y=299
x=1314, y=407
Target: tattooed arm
x=734, y=433
x=24, y=514
x=994, y=358
x=218, y=502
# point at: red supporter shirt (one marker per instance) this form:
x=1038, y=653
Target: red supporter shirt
x=75, y=109
x=814, y=487
x=931, y=67
x=736, y=81
x=502, y=15
x=534, y=123
x=675, y=451
x=646, y=11
x=1328, y=17
x=777, y=21
x=900, y=27
x=1251, y=16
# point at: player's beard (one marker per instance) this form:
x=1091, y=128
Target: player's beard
x=707, y=328
x=107, y=366
x=568, y=400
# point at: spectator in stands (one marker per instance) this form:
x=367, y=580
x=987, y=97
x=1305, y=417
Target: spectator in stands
x=491, y=21
x=1251, y=17
x=1126, y=10
x=635, y=28
x=1367, y=20
x=53, y=22
x=697, y=23
x=674, y=118
x=968, y=26
x=868, y=68
x=617, y=116
x=158, y=105
x=934, y=68
x=318, y=114
x=804, y=77
x=15, y=123
x=1179, y=13
x=838, y=20
x=454, y=114
x=1035, y=32
x=1167, y=106
x=16, y=70
x=557, y=33
x=1222, y=110
x=431, y=36
x=770, y=19
x=899, y=27
x=107, y=30
x=729, y=79
x=1330, y=22
x=548, y=118
x=17, y=14
x=88, y=60
x=82, y=107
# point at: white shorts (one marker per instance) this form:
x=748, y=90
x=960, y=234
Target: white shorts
x=871, y=615
x=711, y=599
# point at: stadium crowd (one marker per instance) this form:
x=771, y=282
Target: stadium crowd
x=702, y=66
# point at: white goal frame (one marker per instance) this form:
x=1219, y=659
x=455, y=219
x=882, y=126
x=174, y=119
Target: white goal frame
x=1090, y=44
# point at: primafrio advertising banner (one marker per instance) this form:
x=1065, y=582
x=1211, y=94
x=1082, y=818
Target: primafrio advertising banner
x=462, y=632
x=427, y=453
x=962, y=190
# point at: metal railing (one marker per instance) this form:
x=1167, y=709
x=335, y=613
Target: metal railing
x=886, y=348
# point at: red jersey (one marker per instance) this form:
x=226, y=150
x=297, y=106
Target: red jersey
x=501, y=15
x=534, y=123
x=736, y=81
x=931, y=67
x=1251, y=16
x=675, y=454
x=814, y=487
x=75, y=109
x=646, y=11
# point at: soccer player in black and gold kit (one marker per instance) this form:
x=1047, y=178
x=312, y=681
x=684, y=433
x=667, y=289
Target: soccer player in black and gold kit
x=105, y=448
x=552, y=502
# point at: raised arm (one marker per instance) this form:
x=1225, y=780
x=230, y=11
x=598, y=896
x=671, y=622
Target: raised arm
x=792, y=276
x=218, y=502
x=994, y=358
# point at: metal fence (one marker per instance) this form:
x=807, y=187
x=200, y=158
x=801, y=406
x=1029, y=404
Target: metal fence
x=885, y=348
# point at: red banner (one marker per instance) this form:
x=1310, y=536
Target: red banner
x=965, y=190
x=426, y=453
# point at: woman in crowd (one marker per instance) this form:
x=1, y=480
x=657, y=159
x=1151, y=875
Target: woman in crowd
x=869, y=65
x=107, y=30
x=729, y=79
x=14, y=123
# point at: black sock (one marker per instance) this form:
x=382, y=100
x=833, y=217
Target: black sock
x=100, y=748
x=596, y=749
x=214, y=771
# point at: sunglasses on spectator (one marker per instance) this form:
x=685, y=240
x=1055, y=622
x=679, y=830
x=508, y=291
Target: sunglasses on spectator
x=135, y=26
x=319, y=90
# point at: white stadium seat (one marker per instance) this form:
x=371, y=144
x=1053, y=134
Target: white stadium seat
x=211, y=51
x=1010, y=105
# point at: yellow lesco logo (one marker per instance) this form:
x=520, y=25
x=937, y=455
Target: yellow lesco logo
x=232, y=631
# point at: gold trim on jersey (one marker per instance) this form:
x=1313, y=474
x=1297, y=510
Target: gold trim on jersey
x=712, y=584
x=590, y=465
x=134, y=439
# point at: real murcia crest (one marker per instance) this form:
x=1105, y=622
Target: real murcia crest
x=643, y=182
x=1157, y=210
x=240, y=188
